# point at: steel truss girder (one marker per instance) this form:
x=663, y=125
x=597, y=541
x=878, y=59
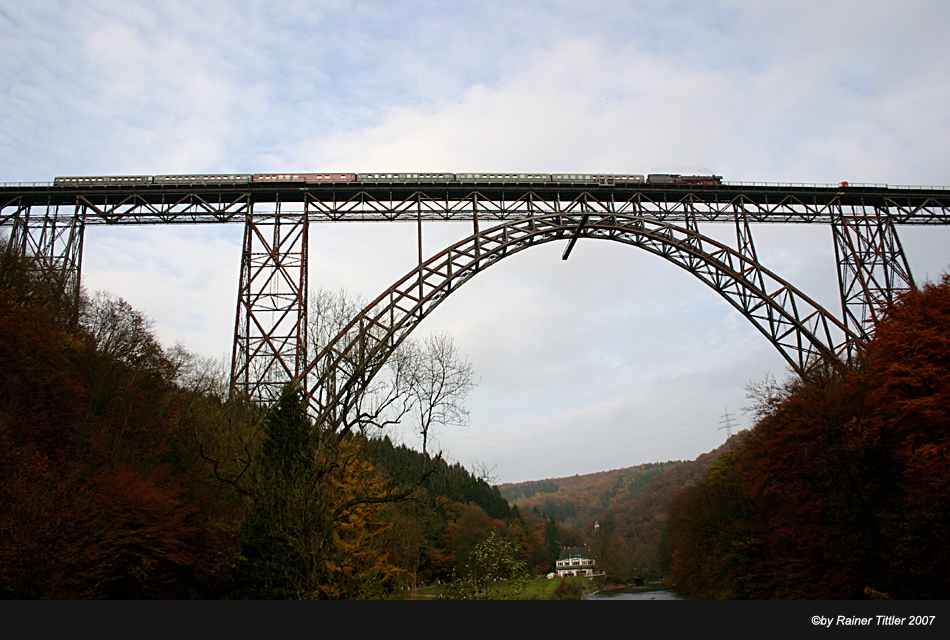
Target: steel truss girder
x=381, y=204
x=800, y=329
x=133, y=209
x=182, y=209
x=270, y=330
x=872, y=268
x=367, y=205
x=55, y=240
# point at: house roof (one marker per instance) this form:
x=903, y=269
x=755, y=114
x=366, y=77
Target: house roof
x=574, y=552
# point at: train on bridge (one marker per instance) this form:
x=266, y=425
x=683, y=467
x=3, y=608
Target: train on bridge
x=393, y=178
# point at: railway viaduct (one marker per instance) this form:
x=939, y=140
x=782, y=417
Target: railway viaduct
x=506, y=215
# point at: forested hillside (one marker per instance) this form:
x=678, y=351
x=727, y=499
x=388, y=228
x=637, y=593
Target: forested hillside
x=126, y=471
x=628, y=504
x=575, y=501
x=102, y=489
x=842, y=489
x=631, y=527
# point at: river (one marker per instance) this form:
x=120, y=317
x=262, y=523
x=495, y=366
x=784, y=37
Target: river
x=635, y=593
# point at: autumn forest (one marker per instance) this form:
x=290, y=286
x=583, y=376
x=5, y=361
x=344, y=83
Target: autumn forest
x=128, y=471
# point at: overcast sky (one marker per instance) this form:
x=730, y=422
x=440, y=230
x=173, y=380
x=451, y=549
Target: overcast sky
x=611, y=359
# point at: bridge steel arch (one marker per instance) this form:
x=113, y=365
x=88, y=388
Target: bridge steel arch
x=800, y=329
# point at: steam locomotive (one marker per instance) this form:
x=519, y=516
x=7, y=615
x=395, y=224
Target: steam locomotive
x=394, y=178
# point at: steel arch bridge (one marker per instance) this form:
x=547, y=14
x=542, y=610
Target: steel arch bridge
x=47, y=220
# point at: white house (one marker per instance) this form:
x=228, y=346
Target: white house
x=575, y=561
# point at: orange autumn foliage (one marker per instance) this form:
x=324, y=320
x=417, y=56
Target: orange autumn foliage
x=842, y=489
x=101, y=491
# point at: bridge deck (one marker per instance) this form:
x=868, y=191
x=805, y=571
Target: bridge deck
x=357, y=201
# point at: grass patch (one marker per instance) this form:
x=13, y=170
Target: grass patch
x=541, y=589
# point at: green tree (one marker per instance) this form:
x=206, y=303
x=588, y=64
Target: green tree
x=311, y=529
x=271, y=567
x=492, y=560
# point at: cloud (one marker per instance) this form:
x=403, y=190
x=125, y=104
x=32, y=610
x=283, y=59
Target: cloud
x=787, y=102
x=184, y=278
x=757, y=91
x=575, y=107
x=609, y=359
